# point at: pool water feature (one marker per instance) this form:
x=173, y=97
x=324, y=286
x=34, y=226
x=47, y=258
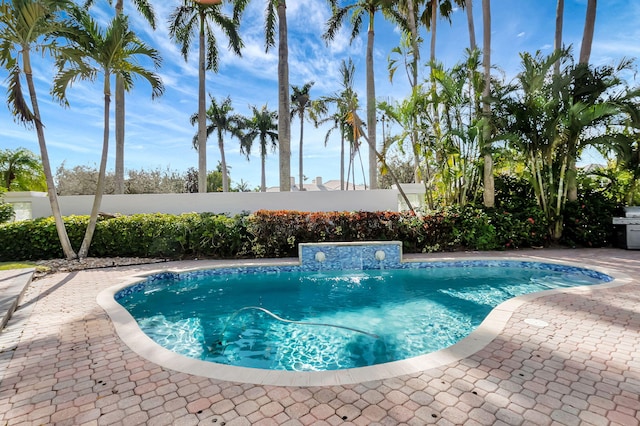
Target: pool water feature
x=316, y=316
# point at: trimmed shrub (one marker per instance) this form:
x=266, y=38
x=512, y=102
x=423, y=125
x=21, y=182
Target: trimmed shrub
x=278, y=233
x=142, y=235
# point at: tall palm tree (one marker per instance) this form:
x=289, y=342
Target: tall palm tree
x=488, y=193
x=345, y=102
x=277, y=11
x=221, y=121
x=429, y=18
x=299, y=104
x=195, y=18
x=146, y=10
x=358, y=10
x=407, y=18
x=112, y=52
x=21, y=170
x=262, y=125
x=27, y=25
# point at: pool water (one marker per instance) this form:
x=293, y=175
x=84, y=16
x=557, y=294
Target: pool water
x=344, y=319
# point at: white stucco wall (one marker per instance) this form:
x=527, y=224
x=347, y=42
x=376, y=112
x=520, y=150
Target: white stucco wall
x=22, y=203
x=232, y=202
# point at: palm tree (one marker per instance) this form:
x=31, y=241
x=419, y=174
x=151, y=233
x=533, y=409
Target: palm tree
x=345, y=101
x=112, y=52
x=358, y=10
x=198, y=18
x=299, y=103
x=21, y=170
x=429, y=18
x=221, y=121
x=146, y=10
x=262, y=125
x=409, y=47
x=25, y=25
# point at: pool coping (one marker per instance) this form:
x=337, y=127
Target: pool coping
x=131, y=334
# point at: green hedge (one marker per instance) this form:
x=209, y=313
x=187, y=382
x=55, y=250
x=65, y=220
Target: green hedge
x=141, y=235
x=274, y=233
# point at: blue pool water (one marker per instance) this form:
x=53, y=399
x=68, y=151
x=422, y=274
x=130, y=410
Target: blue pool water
x=343, y=319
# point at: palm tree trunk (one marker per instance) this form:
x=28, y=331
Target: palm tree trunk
x=470, y=24
x=432, y=59
x=284, y=120
x=67, y=249
x=263, y=174
x=202, y=112
x=341, y=158
x=371, y=107
x=120, y=119
x=300, y=156
x=587, y=35
x=585, y=54
x=351, y=155
x=489, y=187
x=120, y=112
x=363, y=173
x=557, y=41
x=434, y=22
x=414, y=86
x=223, y=163
x=414, y=42
x=97, y=199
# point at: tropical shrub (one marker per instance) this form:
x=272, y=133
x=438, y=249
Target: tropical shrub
x=588, y=221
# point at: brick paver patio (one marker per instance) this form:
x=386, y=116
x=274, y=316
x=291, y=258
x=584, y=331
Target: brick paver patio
x=62, y=363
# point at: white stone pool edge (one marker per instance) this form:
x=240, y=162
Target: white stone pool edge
x=131, y=334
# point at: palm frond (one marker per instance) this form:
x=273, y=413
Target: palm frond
x=19, y=107
x=146, y=10
x=271, y=18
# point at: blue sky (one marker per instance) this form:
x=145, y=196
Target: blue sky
x=158, y=132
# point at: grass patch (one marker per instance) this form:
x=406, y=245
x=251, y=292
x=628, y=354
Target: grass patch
x=5, y=266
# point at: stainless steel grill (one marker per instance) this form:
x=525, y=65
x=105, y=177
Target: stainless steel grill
x=628, y=228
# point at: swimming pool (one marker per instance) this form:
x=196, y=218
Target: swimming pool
x=320, y=258
x=284, y=318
